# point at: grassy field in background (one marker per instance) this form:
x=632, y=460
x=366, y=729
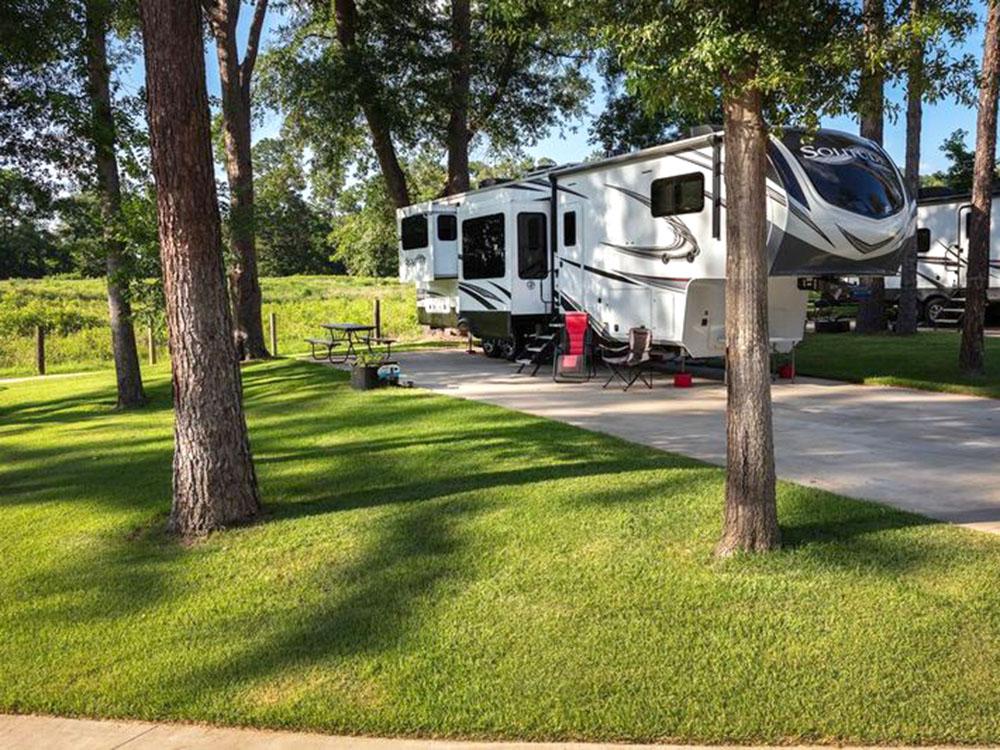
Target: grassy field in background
x=438, y=567
x=928, y=361
x=75, y=313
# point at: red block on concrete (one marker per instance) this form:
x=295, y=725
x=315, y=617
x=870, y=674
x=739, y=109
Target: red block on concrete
x=786, y=371
x=682, y=380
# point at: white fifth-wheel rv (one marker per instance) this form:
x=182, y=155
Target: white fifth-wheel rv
x=943, y=253
x=640, y=240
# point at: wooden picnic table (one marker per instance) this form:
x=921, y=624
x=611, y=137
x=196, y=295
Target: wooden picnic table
x=349, y=334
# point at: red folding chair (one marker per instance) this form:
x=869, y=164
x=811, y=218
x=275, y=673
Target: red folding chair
x=573, y=360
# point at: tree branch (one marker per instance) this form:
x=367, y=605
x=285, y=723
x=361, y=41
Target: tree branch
x=210, y=12
x=577, y=56
x=253, y=45
x=505, y=72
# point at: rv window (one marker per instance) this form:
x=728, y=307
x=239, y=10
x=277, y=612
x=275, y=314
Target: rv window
x=923, y=240
x=414, y=231
x=532, y=247
x=447, y=228
x=684, y=194
x=569, y=228
x=483, y=254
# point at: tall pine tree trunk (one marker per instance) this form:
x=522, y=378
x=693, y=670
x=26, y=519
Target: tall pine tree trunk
x=126, y=355
x=751, y=517
x=458, y=120
x=214, y=481
x=906, y=323
x=346, y=18
x=871, y=308
x=972, y=354
x=234, y=80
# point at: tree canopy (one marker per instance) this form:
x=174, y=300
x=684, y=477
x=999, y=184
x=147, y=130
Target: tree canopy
x=679, y=56
x=525, y=79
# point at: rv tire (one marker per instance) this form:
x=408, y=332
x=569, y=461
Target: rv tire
x=932, y=308
x=491, y=348
x=507, y=349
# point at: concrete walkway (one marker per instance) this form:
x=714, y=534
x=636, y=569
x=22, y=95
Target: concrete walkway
x=932, y=453
x=55, y=733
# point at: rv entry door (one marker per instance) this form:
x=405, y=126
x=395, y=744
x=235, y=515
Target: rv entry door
x=530, y=287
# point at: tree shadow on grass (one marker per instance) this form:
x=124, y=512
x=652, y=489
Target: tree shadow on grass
x=95, y=404
x=119, y=477
x=399, y=490
x=115, y=576
x=857, y=534
x=368, y=605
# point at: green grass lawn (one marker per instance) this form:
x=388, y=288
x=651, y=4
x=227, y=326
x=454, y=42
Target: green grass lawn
x=433, y=566
x=75, y=311
x=928, y=361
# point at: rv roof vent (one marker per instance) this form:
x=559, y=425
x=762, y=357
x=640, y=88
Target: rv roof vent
x=705, y=130
x=491, y=181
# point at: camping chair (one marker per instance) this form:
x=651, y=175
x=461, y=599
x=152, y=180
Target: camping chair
x=630, y=362
x=573, y=360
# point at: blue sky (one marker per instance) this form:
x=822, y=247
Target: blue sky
x=569, y=143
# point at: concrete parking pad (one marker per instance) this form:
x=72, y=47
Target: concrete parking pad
x=931, y=453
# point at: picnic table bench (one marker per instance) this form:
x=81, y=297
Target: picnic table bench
x=328, y=344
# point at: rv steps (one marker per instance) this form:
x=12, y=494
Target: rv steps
x=953, y=314
x=540, y=347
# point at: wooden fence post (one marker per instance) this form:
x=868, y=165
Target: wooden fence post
x=377, y=317
x=151, y=344
x=274, y=334
x=40, y=349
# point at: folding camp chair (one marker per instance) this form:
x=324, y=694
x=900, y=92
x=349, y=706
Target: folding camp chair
x=573, y=358
x=630, y=362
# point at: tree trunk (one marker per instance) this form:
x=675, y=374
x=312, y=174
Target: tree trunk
x=123, y=346
x=214, y=481
x=906, y=322
x=751, y=517
x=972, y=355
x=871, y=308
x=458, y=120
x=244, y=281
x=346, y=16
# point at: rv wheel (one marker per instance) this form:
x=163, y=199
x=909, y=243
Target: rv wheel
x=933, y=308
x=490, y=348
x=508, y=349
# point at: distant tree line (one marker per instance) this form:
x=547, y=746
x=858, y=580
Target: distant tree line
x=961, y=159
